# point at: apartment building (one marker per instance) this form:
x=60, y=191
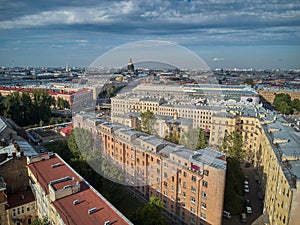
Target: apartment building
x=199, y=114
x=272, y=145
x=64, y=197
x=279, y=167
x=190, y=183
x=163, y=125
x=268, y=93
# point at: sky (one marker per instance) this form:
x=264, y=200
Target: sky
x=262, y=34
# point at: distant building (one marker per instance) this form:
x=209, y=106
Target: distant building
x=268, y=93
x=130, y=66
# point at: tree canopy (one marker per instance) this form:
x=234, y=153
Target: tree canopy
x=151, y=213
x=194, y=139
x=283, y=103
x=233, y=146
x=39, y=221
x=147, y=122
x=28, y=109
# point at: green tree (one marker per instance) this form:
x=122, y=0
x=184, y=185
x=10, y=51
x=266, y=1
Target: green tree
x=26, y=110
x=282, y=102
x=194, y=139
x=80, y=143
x=62, y=103
x=60, y=120
x=233, y=192
x=12, y=106
x=233, y=146
x=151, y=213
x=42, y=103
x=1, y=104
x=52, y=121
x=296, y=104
x=249, y=81
x=147, y=122
x=173, y=137
x=39, y=221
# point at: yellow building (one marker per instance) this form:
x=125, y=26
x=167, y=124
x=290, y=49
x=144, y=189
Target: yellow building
x=190, y=183
x=268, y=94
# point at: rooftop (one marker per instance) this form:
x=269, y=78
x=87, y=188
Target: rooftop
x=20, y=198
x=74, y=208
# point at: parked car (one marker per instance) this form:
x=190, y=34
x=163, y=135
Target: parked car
x=226, y=214
x=249, y=210
x=243, y=218
x=246, y=182
x=246, y=190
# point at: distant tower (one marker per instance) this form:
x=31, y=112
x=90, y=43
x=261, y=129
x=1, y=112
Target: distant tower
x=130, y=66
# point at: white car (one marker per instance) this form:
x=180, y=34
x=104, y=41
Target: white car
x=246, y=182
x=246, y=186
x=249, y=210
x=246, y=190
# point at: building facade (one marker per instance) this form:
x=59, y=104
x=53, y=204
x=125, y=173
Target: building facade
x=190, y=183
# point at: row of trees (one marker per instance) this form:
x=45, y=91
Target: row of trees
x=28, y=109
x=283, y=103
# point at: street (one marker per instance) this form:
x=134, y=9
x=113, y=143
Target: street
x=257, y=205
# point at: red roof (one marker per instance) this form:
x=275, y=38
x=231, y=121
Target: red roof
x=20, y=198
x=87, y=197
x=66, y=131
x=50, y=91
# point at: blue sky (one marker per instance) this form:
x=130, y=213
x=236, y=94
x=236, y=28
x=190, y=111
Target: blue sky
x=225, y=34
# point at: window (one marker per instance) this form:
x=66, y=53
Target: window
x=204, y=195
x=184, y=184
x=193, y=189
x=183, y=194
x=165, y=184
x=194, y=178
x=193, y=200
x=14, y=212
x=158, y=171
x=205, y=183
x=203, y=216
x=206, y=172
x=172, y=188
x=203, y=205
x=192, y=220
x=158, y=162
x=184, y=174
x=183, y=205
x=28, y=208
x=192, y=210
x=166, y=165
x=165, y=175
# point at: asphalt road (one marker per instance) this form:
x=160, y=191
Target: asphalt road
x=257, y=205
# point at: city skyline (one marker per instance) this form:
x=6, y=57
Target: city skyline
x=258, y=35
